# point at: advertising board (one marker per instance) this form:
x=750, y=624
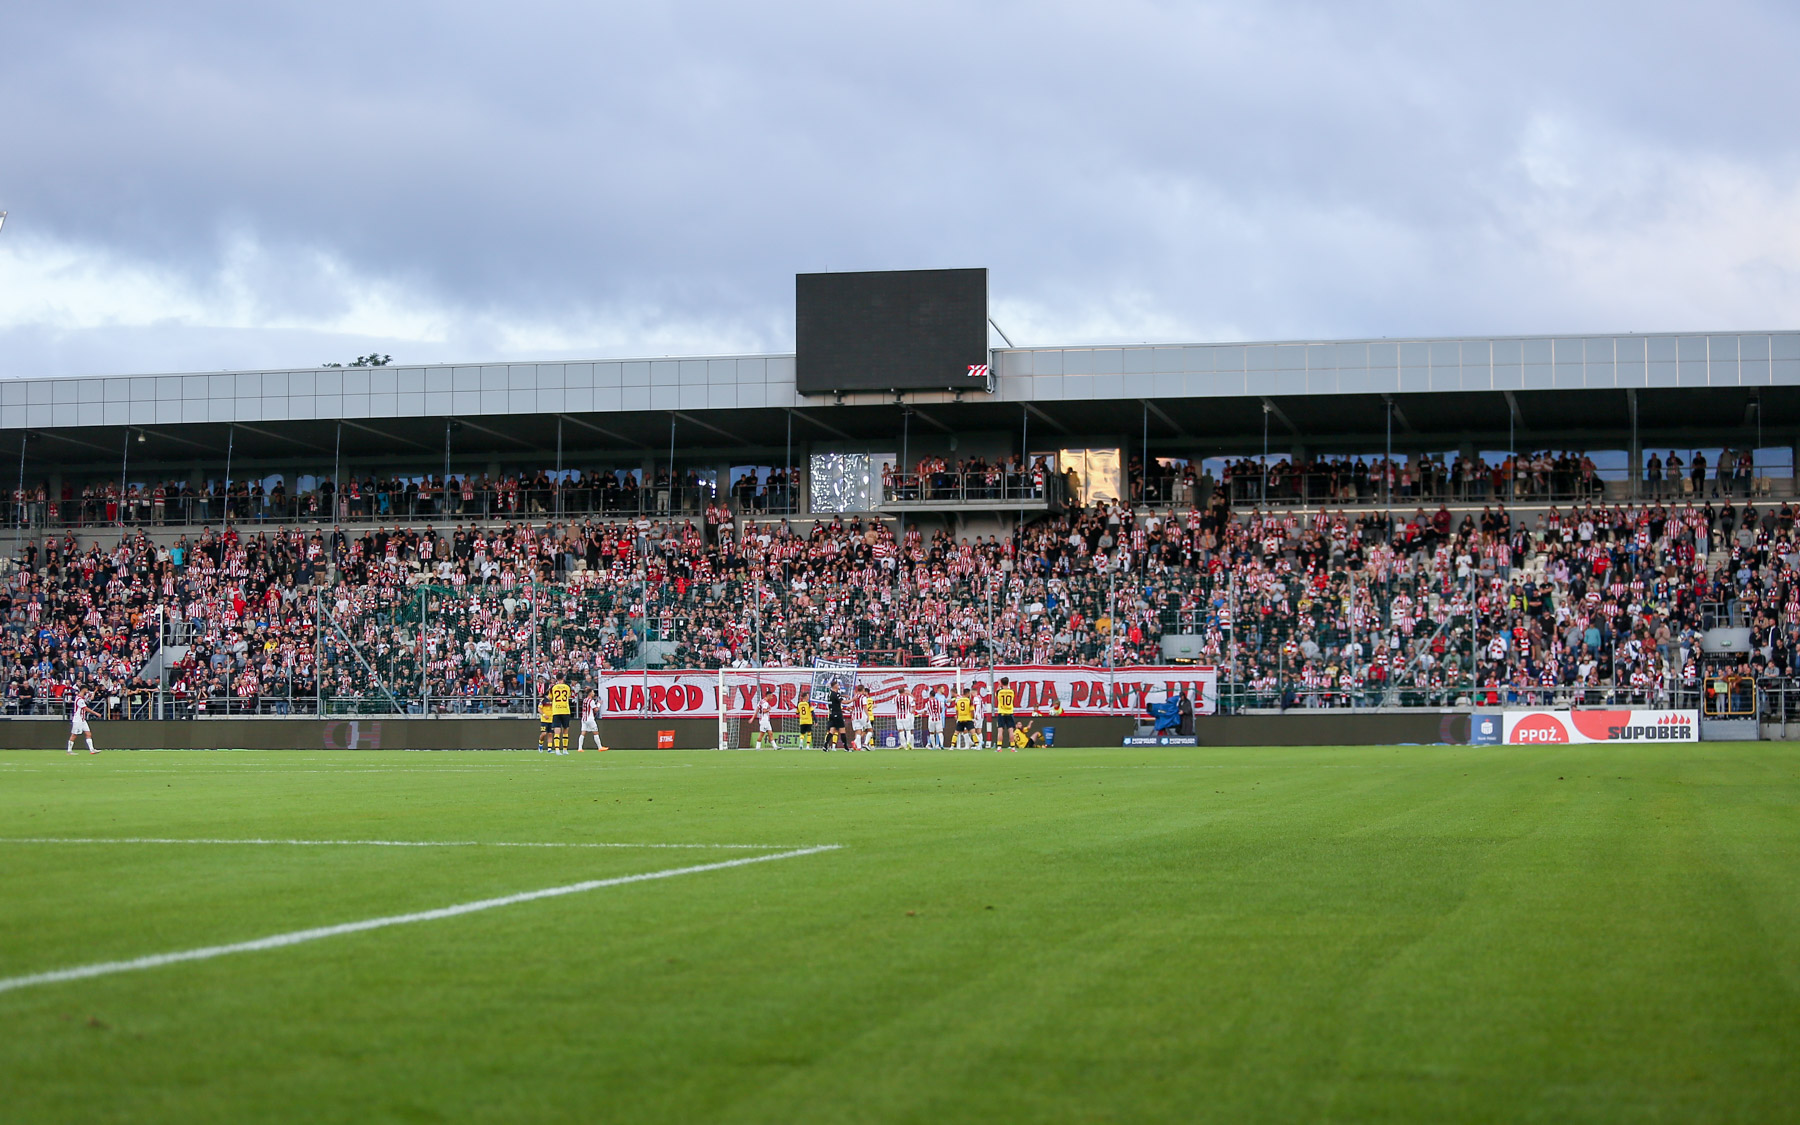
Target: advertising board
x=1563, y=727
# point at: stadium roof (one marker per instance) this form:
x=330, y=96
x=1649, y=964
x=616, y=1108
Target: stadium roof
x=1547, y=389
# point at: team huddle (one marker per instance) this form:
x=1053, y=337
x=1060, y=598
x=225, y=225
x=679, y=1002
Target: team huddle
x=555, y=709
x=850, y=724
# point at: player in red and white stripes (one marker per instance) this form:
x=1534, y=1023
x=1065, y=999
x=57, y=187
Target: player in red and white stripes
x=78, y=723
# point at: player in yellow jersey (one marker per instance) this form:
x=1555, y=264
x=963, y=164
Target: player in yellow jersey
x=560, y=695
x=1003, y=721
x=804, y=712
x=546, y=724
x=965, y=721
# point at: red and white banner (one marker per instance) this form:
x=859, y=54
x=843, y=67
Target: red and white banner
x=1548, y=728
x=1040, y=689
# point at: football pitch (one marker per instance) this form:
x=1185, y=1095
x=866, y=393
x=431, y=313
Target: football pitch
x=1349, y=933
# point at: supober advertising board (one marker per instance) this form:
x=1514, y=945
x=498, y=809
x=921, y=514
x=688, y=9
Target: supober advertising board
x=1562, y=727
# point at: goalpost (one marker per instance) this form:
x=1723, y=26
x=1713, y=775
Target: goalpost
x=739, y=689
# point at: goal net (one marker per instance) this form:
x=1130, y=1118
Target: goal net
x=900, y=698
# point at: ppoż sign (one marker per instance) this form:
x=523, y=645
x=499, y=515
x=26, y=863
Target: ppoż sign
x=1552, y=728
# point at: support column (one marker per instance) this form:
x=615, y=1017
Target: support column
x=1635, y=458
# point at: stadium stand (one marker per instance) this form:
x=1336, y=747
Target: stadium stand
x=1322, y=606
x=1326, y=522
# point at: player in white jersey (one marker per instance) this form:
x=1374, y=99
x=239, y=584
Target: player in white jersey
x=78, y=723
x=903, y=717
x=765, y=706
x=590, y=723
x=859, y=720
x=934, y=719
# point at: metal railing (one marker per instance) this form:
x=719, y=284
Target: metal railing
x=1168, y=490
x=972, y=488
x=300, y=702
x=408, y=505
x=134, y=703
x=1730, y=697
x=1348, y=490
x=1235, y=697
x=393, y=505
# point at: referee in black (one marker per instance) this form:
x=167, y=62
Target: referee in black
x=834, y=718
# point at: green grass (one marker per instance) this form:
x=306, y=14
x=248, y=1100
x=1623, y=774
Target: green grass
x=1387, y=934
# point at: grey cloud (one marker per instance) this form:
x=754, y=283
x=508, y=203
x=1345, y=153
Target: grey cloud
x=1286, y=169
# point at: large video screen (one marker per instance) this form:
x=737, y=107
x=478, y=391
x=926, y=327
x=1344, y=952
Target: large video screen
x=894, y=330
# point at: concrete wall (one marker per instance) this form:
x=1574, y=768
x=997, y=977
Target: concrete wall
x=1334, y=728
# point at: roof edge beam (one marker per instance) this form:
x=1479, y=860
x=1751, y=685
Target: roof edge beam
x=930, y=421
x=385, y=437
x=602, y=431
x=1038, y=413
x=1268, y=404
x=1518, y=417
x=1164, y=417
x=1399, y=415
x=54, y=436
x=257, y=430
x=689, y=418
x=491, y=432
x=827, y=427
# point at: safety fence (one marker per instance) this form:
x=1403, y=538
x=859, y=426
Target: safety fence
x=401, y=504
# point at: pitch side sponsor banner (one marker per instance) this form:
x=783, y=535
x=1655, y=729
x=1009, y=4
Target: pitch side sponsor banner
x=1041, y=690
x=1545, y=728
x=1484, y=729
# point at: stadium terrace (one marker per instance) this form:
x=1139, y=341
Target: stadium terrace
x=1443, y=523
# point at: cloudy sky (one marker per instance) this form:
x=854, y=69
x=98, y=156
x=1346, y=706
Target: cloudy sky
x=203, y=186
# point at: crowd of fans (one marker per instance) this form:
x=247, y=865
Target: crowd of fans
x=974, y=478
x=1534, y=478
x=1539, y=477
x=430, y=496
x=1298, y=607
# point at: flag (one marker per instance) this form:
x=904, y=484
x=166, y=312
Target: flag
x=978, y=371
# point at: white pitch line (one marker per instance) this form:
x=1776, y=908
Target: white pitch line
x=375, y=843
x=278, y=941
x=422, y=770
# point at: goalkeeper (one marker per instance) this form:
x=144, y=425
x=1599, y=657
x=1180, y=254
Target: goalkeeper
x=1023, y=735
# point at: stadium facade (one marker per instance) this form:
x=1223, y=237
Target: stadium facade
x=1621, y=395
x=1387, y=609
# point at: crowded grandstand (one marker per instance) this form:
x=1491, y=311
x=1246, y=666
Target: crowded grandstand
x=1327, y=524
x=280, y=609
